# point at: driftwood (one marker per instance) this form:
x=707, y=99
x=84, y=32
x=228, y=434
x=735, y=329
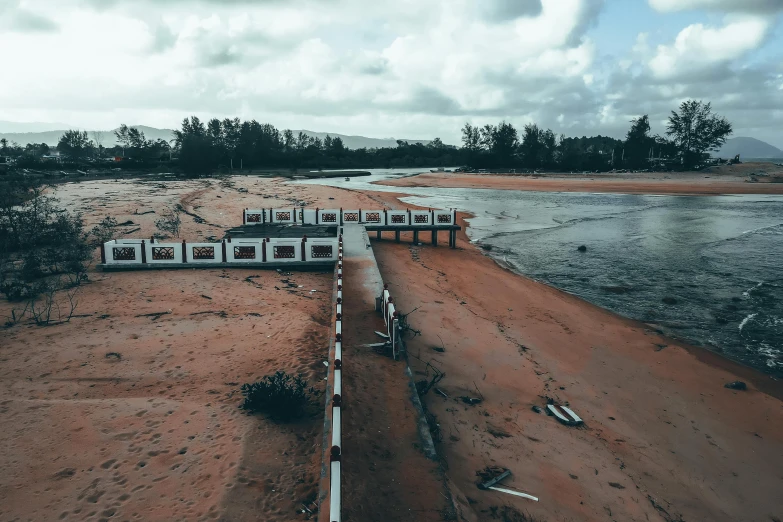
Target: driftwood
x=155, y=315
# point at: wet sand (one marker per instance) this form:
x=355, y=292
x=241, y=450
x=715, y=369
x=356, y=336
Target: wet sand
x=718, y=180
x=104, y=435
x=663, y=439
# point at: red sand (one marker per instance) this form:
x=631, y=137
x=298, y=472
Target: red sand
x=663, y=438
x=716, y=180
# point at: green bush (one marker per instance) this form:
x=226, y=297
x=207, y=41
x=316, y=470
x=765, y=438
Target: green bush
x=282, y=395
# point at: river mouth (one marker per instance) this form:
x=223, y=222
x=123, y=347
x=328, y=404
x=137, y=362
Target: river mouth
x=705, y=269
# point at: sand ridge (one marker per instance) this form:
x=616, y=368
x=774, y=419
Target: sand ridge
x=714, y=181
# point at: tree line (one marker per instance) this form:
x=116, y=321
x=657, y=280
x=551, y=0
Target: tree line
x=230, y=144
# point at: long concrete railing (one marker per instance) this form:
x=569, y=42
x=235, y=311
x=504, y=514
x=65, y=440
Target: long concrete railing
x=336, y=446
x=235, y=252
x=385, y=218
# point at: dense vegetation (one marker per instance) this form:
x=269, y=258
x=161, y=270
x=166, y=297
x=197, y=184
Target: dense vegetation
x=44, y=252
x=201, y=148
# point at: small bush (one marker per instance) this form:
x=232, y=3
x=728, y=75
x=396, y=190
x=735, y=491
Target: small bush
x=282, y=395
x=103, y=232
x=170, y=222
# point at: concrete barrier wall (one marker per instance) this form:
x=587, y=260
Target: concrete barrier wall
x=231, y=252
x=340, y=216
x=204, y=252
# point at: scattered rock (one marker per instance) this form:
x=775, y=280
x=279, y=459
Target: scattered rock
x=616, y=485
x=537, y=409
x=582, y=248
x=486, y=247
x=113, y=355
x=736, y=385
x=669, y=300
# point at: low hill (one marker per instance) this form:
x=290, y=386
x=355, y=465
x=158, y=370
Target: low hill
x=359, y=142
x=748, y=148
x=51, y=137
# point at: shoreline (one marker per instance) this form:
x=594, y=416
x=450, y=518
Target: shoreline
x=685, y=184
x=766, y=382
x=658, y=417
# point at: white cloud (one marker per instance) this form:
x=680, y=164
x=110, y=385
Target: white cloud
x=407, y=68
x=698, y=47
x=749, y=6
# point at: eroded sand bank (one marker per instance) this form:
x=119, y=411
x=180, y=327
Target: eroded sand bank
x=718, y=180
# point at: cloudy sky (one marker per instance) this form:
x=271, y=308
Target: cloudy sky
x=403, y=68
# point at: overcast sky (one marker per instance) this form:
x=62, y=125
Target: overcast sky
x=402, y=68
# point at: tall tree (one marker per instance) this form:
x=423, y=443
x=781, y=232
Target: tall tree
x=122, y=137
x=75, y=144
x=471, y=138
x=531, y=145
x=487, y=132
x=98, y=137
x=696, y=130
x=638, y=143
x=505, y=141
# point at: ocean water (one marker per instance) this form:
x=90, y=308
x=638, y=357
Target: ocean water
x=706, y=269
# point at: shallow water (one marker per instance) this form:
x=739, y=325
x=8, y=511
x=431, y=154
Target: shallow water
x=715, y=259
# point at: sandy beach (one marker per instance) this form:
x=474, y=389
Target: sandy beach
x=155, y=434
x=716, y=180
x=663, y=439
x=122, y=415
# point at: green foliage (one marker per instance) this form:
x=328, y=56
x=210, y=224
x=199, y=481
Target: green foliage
x=135, y=145
x=201, y=148
x=75, y=144
x=169, y=222
x=283, y=396
x=103, y=232
x=696, y=131
x=38, y=241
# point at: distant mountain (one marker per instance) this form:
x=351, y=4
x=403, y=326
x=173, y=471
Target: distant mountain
x=23, y=138
x=359, y=142
x=51, y=137
x=748, y=148
x=16, y=126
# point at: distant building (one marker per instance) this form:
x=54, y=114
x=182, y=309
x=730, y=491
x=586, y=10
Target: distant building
x=52, y=156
